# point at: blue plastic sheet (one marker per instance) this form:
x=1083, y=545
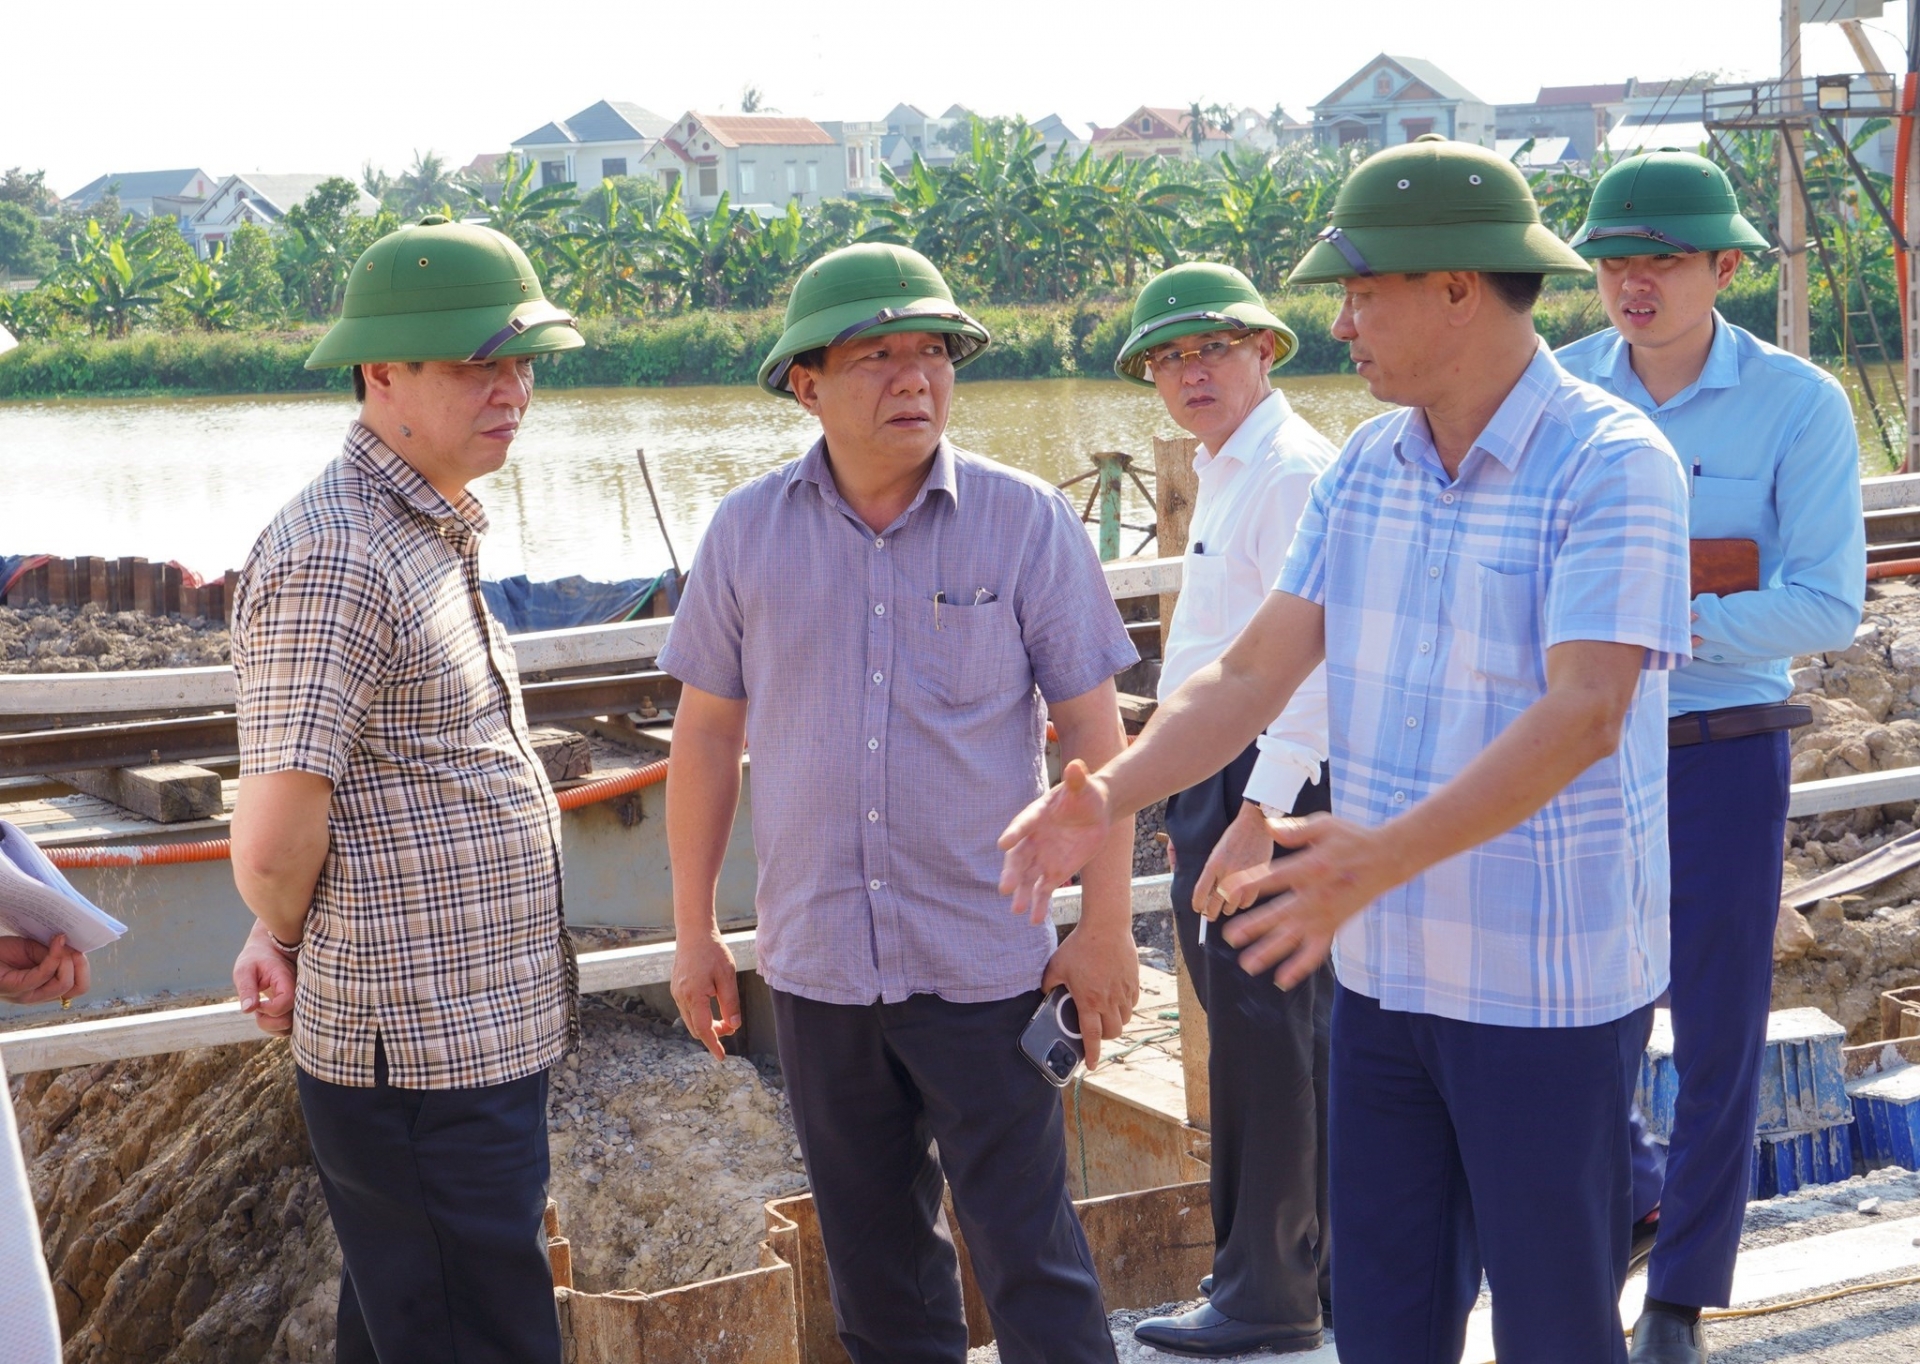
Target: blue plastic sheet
x=523, y=606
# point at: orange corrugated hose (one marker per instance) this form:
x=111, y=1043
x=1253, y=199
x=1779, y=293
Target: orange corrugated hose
x=220, y=849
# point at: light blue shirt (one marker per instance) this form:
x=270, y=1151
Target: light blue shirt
x=1769, y=446
x=1442, y=596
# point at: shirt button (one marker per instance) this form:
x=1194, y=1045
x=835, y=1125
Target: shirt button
x=880, y=542
x=1399, y=797
x=1425, y=647
x=1434, y=572
x=873, y=816
x=1447, y=498
x=1411, y=722
x=879, y=677
x=873, y=885
x=880, y=610
x=872, y=744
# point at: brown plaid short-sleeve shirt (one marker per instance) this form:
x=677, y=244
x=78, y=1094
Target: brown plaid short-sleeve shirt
x=365, y=653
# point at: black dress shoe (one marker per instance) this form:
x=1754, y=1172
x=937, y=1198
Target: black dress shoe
x=1645, y=1232
x=1208, y=1333
x=1662, y=1338
x=1206, y=1287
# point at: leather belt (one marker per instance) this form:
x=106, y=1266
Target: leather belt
x=1735, y=722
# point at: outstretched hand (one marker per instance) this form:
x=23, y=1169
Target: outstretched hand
x=1338, y=870
x=1052, y=839
x=33, y=973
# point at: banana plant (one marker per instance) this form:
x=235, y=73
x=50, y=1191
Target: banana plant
x=211, y=298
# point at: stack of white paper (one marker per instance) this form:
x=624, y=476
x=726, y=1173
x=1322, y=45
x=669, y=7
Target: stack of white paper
x=37, y=902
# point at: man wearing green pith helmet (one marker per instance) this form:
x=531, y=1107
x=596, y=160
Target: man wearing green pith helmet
x=888, y=624
x=1494, y=576
x=394, y=834
x=1204, y=339
x=1767, y=440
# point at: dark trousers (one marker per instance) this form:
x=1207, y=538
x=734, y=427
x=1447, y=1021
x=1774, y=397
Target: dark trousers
x=1462, y=1146
x=438, y=1197
x=888, y=1098
x=1267, y=1073
x=1726, y=820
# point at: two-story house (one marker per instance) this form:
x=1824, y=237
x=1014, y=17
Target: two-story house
x=863, y=141
x=936, y=140
x=1151, y=130
x=756, y=159
x=1581, y=114
x=260, y=199
x=1391, y=100
x=601, y=142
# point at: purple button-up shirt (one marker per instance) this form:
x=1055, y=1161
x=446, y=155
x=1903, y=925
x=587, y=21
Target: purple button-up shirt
x=892, y=739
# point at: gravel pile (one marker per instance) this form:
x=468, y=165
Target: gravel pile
x=54, y=639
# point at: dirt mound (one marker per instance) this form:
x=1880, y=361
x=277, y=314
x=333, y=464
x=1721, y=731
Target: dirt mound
x=184, y=1221
x=53, y=639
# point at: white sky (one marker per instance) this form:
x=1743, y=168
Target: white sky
x=323, y=87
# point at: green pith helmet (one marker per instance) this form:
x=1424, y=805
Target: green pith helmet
x=438, y=290
x=1197, y=297
x=1664, y=204
x=867, y=290
x=1433, y=204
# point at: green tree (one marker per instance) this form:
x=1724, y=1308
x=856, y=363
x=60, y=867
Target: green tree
x=208, y=293
x=424, y=187
x=259, y=294
x=29, y=190
x=317, y=246
x=24, y=250
x=114, y=280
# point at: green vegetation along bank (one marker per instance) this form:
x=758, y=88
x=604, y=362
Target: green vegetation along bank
x=1035, y=341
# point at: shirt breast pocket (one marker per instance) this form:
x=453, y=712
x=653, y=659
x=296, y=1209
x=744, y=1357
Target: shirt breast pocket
x=1203, y=593
x=970, y=654
x=1506, y=617
x=1729, y=508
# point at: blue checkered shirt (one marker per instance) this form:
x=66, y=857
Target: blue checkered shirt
x=1567, y=522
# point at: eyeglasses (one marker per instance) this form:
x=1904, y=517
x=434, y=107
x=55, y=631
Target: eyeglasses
x=1652, y=234
x=1173, y=363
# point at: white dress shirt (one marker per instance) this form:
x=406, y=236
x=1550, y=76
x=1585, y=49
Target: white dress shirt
x=1252, y=492
x=29, y=1328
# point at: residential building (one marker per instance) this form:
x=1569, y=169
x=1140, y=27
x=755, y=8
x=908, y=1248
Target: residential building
x=601, y=142
x=1658, y=114
x=260, y=199
x=863, y=142
x=137, y=191
x=1155, y=131
x=486, y=175
x=1061, y=139
x=1267, y=132
x=1540, y=153
x=757, y=160
x=938, y=141
x=1391, y=100
x=1582, y=114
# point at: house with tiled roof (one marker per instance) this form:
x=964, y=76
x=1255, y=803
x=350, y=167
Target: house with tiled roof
x=601, y=142
x=1152, y=130
x=261, y=199
x=757, y=160
x=1581, y=114
x=1391, y=100
x=171, y=193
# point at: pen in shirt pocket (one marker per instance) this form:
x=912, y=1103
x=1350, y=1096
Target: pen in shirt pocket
x=1693, y=484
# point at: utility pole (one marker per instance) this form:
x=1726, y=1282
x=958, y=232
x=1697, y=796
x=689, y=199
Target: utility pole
x=1910, y=220
x=1794, y=324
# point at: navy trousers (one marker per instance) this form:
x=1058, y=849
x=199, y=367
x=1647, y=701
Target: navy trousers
x=439, y=1198
x=1726, y=820
x=1267, y=1075
x=889, y=1098
x=1457, y=1147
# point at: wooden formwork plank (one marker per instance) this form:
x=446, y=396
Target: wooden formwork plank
x=167, y=793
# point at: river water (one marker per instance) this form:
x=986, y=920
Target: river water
x=195, y=479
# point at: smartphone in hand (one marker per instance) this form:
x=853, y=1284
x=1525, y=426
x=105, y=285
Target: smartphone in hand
x=1052, y=1039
